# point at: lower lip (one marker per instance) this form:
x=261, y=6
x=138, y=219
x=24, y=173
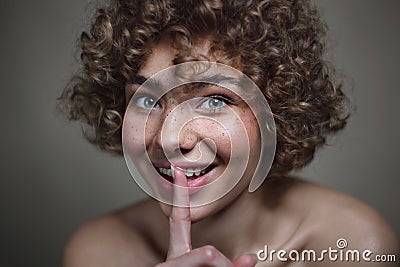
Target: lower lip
x=194, y=185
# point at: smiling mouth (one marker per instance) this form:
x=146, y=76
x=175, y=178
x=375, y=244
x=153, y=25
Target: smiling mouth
x=190, y=173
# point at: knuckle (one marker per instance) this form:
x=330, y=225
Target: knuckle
x=178, y=219
x=210, y=252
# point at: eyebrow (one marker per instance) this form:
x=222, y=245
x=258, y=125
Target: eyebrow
x=214, y=79
x=151, y=83
x=139, y=79
x=218, y=78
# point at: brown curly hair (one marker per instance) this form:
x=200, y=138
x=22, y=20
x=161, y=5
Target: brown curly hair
x=279, y=44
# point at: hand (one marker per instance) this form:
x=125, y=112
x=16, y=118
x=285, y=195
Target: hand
x=180, y=251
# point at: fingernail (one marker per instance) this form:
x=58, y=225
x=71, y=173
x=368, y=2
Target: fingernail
x=173, y=171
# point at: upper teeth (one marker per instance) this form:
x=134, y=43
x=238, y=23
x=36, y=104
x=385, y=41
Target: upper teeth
x=189, y=172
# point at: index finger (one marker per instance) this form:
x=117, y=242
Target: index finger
x=179, y=220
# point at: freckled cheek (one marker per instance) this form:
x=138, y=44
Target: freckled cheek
x=253, y=131
x=152, y=128
x=218, y=134
x=138, y=130
x=132, y=138
x=243, y=127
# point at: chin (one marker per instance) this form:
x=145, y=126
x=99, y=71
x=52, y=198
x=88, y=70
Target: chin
x=200, y=213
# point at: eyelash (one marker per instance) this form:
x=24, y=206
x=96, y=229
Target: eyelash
x=137, y=97
x=205, y=104
x=221, y=97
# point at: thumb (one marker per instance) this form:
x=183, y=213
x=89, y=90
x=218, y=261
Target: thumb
x=246, y=260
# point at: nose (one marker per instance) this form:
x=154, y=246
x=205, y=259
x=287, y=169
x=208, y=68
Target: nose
x=177, y=133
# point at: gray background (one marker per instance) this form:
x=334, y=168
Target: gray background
x=52, y=180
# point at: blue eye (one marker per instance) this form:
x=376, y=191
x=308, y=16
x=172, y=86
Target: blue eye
x=146, y=102
x=214, y=102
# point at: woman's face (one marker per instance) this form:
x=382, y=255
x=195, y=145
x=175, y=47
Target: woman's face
x=201, y=141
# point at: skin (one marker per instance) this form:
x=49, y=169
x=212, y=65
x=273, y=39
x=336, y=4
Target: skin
x=284, y=213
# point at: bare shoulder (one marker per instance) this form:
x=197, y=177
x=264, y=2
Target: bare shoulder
x=331, y=216
x=117, y=239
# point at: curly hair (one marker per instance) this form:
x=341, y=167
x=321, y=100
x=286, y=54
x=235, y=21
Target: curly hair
x=279, y=44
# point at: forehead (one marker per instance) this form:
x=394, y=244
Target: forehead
x=160, y=57
x=163, y=53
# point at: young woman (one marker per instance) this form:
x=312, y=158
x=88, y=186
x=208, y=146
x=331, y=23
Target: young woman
x=278, y=44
